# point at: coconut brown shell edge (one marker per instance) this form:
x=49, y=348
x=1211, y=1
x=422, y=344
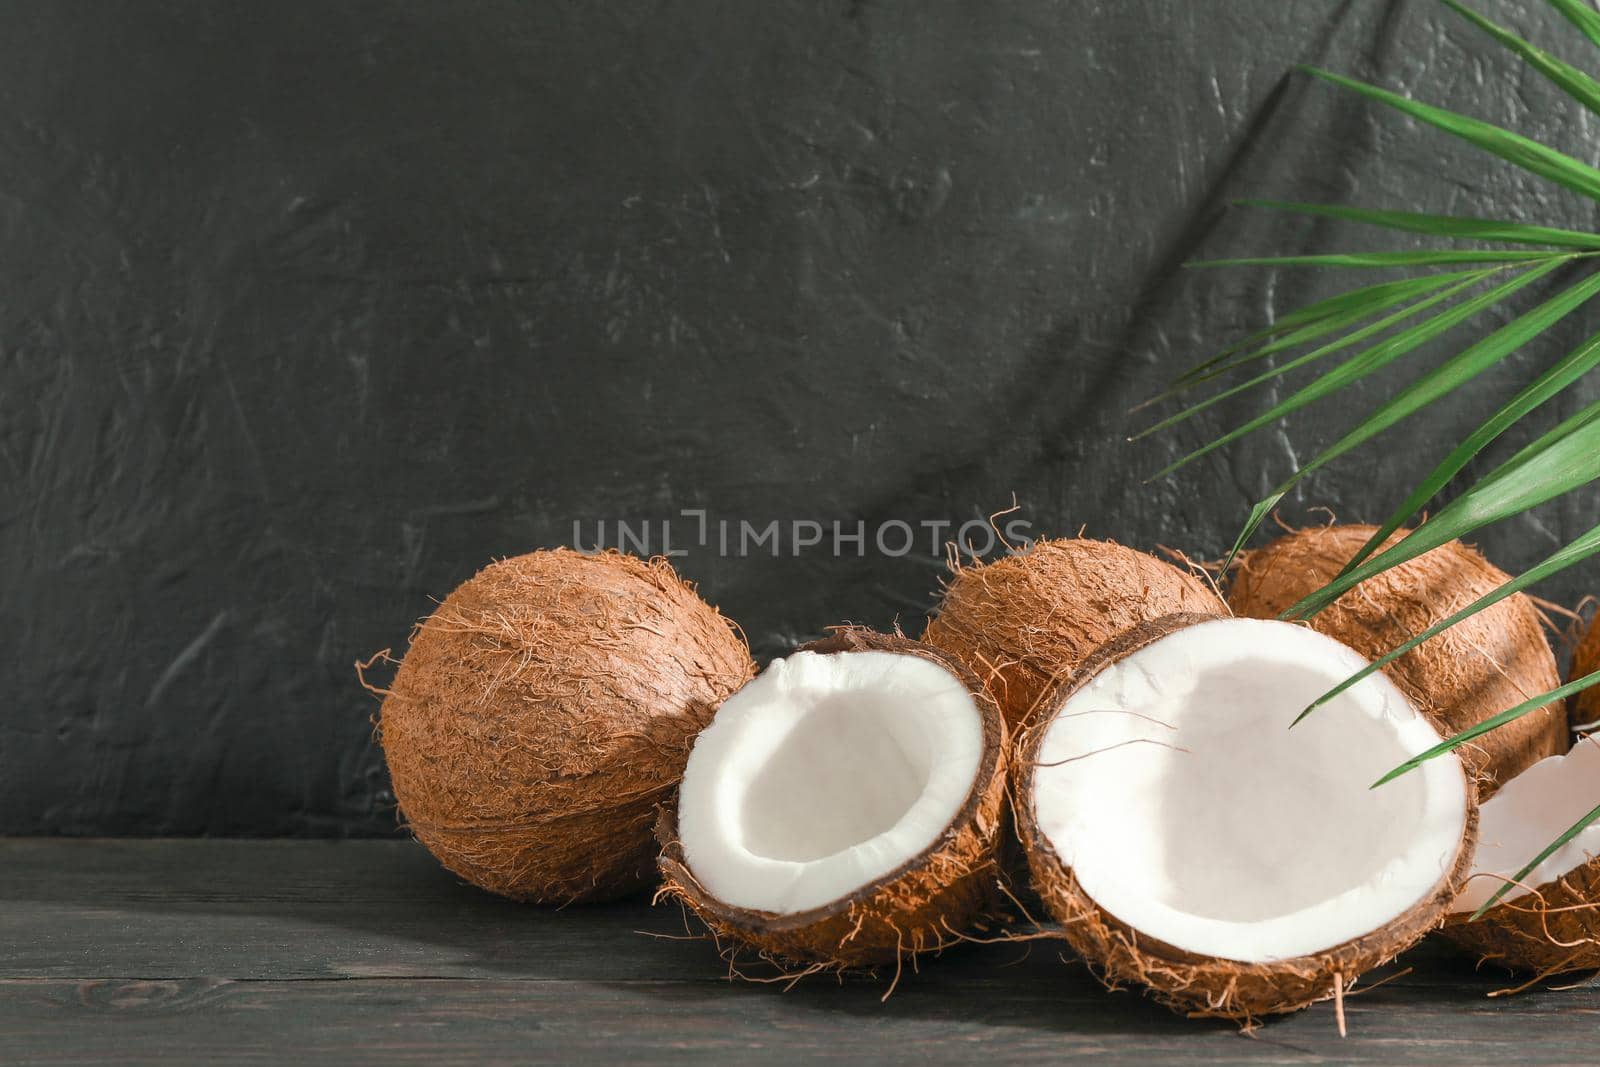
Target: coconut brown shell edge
x=1555, y=929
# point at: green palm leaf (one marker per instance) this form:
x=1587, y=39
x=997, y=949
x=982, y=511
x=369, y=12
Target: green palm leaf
x=1453, y=226
x=1558, y=462
x=1530, y=155
x=1452, y=374
x=1370, y=330
x=1580, y=15
x=1382, y=259
x=1582, y=360
x=1374, y=358
x=1318, y=320
x=1574, y=553
x=1549, y=850
x=1574, y=82
x=1494, y=722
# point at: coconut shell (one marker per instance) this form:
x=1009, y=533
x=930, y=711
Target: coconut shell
x=1552, y=930
x=1202, y=986
x=1024, y=621
x=924, y=905
x=1491, y=661
x=545, y=710
x=1584, y=707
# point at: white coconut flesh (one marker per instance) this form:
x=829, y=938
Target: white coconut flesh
x=1173, y=787
x=824, y=774
x=1529, y=812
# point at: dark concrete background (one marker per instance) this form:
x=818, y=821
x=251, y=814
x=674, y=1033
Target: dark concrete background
x=308, y=310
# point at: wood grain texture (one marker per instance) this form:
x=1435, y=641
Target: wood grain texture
x=365, y=951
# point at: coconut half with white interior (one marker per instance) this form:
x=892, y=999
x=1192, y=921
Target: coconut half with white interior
x=1191, y=842
x=843, y=808
x=1549, y=921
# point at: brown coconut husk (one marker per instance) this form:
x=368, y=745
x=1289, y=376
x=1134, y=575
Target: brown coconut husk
x=1023, y=622
x=1584, y=707
x=1200, y=986
x=1492, y=661
x=545, y=710
x=925, y=905
x=1553, y=929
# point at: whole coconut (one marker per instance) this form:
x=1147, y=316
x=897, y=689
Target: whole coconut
x=1491, y=661
x=1026, y=620
x=542, y=713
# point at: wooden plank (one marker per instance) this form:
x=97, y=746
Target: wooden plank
x=495, y=1021
x=128, y=908
x=301, y=909
x=137, y=950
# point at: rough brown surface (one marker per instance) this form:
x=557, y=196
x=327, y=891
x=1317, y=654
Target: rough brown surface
x=1024, y=621
x=545, y=709
x=925, y=905
x=1584, y=707
x=1197, y=985
x=1490, y=662
x=1552, y=930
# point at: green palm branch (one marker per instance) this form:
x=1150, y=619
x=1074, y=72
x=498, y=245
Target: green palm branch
x=1377, y=325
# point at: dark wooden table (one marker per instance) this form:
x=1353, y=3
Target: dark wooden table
x=162, y=951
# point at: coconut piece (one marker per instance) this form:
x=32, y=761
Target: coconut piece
x=1024, y=621
x=545, y=710
x=1583, y=709
x=844, y=808
x=1483, y=665
x=1549, y=922
x=1190, y=842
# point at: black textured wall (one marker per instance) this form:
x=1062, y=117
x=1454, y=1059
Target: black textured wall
x=307, y=310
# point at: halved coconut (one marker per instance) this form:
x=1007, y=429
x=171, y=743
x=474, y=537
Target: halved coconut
x=1491, y=661
x=844, y=808
x=1548, y=923
x=1189, y=841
